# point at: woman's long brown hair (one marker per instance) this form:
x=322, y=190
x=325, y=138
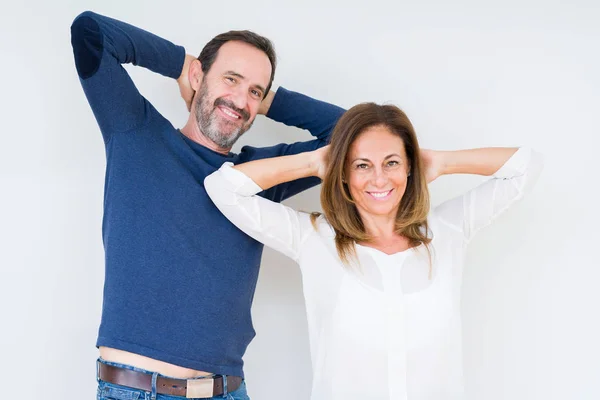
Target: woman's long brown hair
x=339, y=208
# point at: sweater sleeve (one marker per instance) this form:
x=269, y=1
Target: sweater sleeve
x=100, y=46
x=304, y=112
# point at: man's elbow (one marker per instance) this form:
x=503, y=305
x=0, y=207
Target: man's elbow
x=87, y=42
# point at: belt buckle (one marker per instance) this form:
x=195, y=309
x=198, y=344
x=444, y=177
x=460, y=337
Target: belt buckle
x=199, y=388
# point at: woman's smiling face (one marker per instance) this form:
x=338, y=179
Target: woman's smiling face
x=377, y=172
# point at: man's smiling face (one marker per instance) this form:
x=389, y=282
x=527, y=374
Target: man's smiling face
x=231, y=92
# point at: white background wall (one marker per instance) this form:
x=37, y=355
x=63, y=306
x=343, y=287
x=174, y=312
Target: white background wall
x=467, y=73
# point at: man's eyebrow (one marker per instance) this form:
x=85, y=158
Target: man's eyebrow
x=262, y=89
x=238, y=75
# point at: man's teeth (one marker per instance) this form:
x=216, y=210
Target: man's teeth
x=380, y=194
x=226, y=111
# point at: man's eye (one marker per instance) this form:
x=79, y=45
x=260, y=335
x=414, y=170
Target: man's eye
x=256, y=93
x=230, y=79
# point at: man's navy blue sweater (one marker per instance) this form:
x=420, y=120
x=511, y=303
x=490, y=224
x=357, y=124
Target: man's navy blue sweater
x=180, y=278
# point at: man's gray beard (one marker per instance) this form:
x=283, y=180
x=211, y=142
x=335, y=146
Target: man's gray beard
x=208, y=123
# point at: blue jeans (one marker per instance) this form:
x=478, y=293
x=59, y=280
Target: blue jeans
x=110, y=391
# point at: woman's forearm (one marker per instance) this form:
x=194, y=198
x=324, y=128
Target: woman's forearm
x=484, y=161
x=270, y=172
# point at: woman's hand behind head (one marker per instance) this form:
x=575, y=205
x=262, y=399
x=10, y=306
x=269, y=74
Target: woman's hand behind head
x=319, y=161
x=433, y=163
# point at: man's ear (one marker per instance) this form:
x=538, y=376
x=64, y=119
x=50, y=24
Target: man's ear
x=195, y=74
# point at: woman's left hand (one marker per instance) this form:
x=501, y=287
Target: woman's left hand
x=433, y=163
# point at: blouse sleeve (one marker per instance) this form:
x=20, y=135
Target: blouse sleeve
x=480, y=206
x=275, y=225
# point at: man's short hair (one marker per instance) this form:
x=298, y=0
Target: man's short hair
x=209, y=52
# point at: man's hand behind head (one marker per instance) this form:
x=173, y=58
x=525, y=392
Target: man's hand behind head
x=266, y=103
x=185, y=87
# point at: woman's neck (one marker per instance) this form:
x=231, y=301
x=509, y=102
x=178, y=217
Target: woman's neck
x=382, y=231
x=380, y=227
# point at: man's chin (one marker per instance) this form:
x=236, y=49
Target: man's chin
x=232, y=130
x=225, y=141
x=226, y=131
x=231, y=136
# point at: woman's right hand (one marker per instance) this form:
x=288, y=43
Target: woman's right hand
x=319, y=161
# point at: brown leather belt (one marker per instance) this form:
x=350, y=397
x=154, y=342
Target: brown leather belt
x=204, y=387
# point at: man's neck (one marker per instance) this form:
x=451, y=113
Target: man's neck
x=193, y=132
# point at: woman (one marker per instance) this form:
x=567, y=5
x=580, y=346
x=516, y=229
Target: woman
x=381, y=274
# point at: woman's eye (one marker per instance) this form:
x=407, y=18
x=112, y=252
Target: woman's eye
x=393, y=163
x=362, y=166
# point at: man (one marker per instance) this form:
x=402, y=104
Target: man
x=180, y=278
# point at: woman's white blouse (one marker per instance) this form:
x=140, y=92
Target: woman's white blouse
x=382, y=329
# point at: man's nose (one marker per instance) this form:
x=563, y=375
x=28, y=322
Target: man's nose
x=239, y=98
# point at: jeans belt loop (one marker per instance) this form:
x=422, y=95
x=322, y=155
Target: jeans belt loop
x=154, y=378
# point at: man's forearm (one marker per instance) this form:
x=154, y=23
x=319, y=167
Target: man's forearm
x=296, y=109
x=129, y=44
x=100, y=46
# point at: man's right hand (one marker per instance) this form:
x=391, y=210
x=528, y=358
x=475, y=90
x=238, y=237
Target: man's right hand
x=185, y=87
